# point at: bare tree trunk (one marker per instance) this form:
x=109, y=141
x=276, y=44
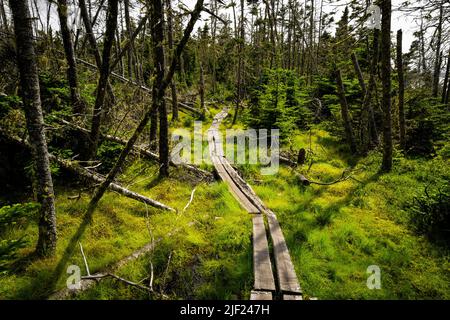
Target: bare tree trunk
x=29, y=81
x=345, y=113
x=422, y=46
x=401, y=89
x=92, y=41
x=358, y=72
x=173, y=86
x=386, y=80
x=240, y=64
x=201, y=92
x=78, y=106
x=437, y=61
x=111, y=25
x=159, y=103
x=3, y=16
x=446, y=82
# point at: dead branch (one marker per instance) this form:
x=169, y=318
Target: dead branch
x=81, y=171
x=208, y=176
x=346, y=174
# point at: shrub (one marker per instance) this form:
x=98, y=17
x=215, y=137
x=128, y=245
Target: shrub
x=430, y=213
x=14, y=216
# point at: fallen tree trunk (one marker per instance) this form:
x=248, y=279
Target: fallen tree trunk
x=287, y=161
x=83, y=172
x=144, y=152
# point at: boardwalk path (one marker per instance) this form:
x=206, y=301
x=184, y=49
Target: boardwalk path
x=285, y=284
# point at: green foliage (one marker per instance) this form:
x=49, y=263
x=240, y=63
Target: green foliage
x=55, y=93
x=18, y=215
x=7, y=103
x=428, y=124
x=108, y=152
x=430, y=212
x=277, y=102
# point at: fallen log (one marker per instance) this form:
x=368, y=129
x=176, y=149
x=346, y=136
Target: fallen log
x=83, y=172
x=287, y=161
x=208, y=176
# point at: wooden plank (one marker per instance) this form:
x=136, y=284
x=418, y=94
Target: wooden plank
x=262, y=268
x=237, y=193
x=245, y=188
x=292, y=297
x=287, y=278
x=261, y=295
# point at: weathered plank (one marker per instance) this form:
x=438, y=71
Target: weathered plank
x=292, y=297
x=287, y=278
x=261, y=295
x=216, y=153
x=243, y=186
x=262, y=267
x=237, y=193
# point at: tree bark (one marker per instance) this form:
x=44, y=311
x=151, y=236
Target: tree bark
x=386, y=81
x=3, y=16
x=173, y=86
x=358, y=72
x=78, y=106
x=401, y=90
x=159, y=102
x=29, y=81
x=91, y=38
x=446, y=88
x=437, y=61
x=345, y=113
x=111, y=25
x=240, y=64
x=201, y=92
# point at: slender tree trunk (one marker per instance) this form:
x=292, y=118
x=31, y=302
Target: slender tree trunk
x=111, y=25
x=345, y=113
x=92, y=41
x=173, y=86
x=437, y=61
x=358, y=72
x=446, y=81
x=401, y=89
x=159, y=104
x=201, y=92
x=422, y=46
x=29, y=81
x=240, y=64
x=386, y=80
x=78, y=107
x=3, y=16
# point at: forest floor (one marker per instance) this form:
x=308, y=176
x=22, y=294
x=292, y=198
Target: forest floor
x=333, y=233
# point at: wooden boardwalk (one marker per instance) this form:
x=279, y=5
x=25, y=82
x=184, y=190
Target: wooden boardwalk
x=265, y=287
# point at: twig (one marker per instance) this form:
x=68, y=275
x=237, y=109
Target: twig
x=165, y=272
x=190, y=201
x=151, y=276
x=106, y=275
x=85, y=260
x=343, y=177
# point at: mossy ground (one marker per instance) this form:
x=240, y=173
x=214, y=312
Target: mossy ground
x=333, y=232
